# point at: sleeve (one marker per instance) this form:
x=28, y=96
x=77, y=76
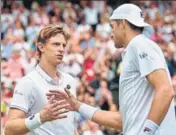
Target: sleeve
x=149, y=59
x=22, y=97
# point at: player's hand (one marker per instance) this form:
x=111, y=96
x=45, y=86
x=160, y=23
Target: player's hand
x=71, y=100
x=54, y=110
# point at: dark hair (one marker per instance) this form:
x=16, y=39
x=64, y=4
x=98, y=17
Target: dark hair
x=135, y=28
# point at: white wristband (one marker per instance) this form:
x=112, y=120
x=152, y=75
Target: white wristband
x=33, y=121
x=87, y=111
x=149, y=128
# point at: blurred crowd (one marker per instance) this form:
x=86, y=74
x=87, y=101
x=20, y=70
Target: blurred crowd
x=90, y=55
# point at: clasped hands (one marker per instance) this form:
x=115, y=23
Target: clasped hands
x=59, y=96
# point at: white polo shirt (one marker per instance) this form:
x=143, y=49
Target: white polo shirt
x=30, y=97
x=141, y=57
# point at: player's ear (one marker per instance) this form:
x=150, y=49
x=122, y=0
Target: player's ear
x=40, y=47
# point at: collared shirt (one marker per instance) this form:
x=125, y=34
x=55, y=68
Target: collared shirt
x=30, y=97
x=141, y=57
x=48, y=78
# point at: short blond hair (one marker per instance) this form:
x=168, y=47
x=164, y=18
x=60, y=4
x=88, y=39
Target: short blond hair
x=49, y=31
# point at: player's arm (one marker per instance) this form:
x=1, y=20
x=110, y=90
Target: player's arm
x=163, y=96
x=19, y=106
x=151, y=65
x=162, y=99
x=16, y=123
x=108, y=119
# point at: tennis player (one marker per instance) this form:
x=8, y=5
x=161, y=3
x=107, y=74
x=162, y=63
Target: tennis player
x=30, y=111
x=145, y=91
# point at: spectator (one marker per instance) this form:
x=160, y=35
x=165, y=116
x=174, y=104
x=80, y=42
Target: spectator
x=91, y=15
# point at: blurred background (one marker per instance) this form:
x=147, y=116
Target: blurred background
x=90, y=56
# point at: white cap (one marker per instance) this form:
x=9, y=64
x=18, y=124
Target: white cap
x=131, y=13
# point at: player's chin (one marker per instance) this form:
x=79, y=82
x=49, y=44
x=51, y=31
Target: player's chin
x=58, y=61
x=117, y=45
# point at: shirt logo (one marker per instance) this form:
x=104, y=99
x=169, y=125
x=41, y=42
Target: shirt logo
x=147, y=130
x=143, y=55
x=32, y=117
x=68, y=86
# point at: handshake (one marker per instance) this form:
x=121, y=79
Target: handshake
x=64, y=97
x=72, y=104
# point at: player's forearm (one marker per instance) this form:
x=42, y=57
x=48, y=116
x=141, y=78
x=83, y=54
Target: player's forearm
x=105, y=118
x=108, y=119
x=16, y=127
x=160, y=105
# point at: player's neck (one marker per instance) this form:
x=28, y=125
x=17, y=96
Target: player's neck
x=50, y=69
x=129, y=37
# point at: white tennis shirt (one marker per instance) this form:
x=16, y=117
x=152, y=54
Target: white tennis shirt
x=141, y=57
x=30, y=97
